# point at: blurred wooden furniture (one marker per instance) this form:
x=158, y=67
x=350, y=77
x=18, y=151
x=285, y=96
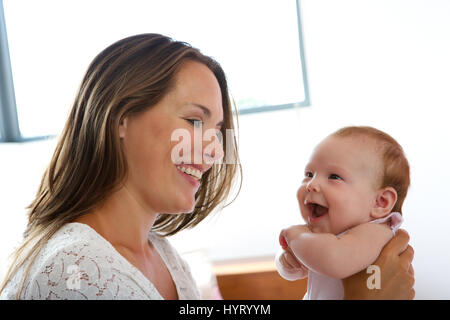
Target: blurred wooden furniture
x=256, y=278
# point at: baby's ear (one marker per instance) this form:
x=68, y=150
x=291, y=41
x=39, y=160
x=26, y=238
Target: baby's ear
x=384, y=202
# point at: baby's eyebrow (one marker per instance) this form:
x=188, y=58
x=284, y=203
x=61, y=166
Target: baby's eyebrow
x=337, y=168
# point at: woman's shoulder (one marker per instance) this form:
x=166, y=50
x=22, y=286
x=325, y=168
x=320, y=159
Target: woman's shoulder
x=74, y=242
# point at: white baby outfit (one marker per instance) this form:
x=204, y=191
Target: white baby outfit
x=77, y=263
x=321, y=287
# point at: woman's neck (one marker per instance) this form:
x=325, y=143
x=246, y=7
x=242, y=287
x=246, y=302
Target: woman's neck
x=123, y=221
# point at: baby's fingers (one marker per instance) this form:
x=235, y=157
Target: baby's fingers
x=291, y=261
x=282, y=240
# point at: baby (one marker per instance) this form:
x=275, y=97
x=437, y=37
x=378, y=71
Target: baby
x=351, y=198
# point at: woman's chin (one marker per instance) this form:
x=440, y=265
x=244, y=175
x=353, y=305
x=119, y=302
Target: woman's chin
x=185, y=206
x=188, y=211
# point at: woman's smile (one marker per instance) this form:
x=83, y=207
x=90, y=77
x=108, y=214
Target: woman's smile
x=192, y=175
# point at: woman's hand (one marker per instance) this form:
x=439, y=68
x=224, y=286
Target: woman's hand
x=397, y=274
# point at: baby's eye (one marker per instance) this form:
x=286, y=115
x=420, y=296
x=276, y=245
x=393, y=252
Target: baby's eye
x=308, y=174
x=335, y=177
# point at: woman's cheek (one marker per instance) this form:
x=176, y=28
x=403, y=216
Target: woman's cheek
x=183, y=142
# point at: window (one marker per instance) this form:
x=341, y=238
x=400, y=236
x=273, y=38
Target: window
x=51, y=43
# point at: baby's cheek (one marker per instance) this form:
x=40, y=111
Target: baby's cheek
x=301, y=193
x=341, y=222
x=301, y=205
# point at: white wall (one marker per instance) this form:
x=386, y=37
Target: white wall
x=382, y=63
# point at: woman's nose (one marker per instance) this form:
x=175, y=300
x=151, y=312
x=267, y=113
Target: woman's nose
x=213, y=151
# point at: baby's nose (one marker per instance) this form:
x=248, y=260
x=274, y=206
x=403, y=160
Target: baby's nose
x=313, y=186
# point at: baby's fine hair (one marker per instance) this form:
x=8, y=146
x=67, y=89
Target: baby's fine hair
x=395, y=165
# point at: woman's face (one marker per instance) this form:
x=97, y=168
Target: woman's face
x=156, y=177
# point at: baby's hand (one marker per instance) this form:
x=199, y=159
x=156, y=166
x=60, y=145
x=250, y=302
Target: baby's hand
x=287, y=264
x=289, y=267
x=291, y=233
x=283, y=242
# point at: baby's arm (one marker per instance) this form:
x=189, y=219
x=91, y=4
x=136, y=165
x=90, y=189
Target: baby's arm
x=338, y=257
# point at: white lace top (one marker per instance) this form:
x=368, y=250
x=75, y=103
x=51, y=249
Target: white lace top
x=78, y=263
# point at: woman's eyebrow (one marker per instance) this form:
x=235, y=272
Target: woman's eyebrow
x=205, y=110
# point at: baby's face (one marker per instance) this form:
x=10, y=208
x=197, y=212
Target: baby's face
x=340, y=184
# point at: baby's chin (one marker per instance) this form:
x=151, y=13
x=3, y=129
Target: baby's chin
x=325, y=228
x=319, y=228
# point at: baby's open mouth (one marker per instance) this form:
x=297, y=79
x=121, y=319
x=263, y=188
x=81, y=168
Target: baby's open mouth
x=317, y=210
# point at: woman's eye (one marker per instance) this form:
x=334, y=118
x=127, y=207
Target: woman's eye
x=335, y=176
x=219, y=136
x=195, y=122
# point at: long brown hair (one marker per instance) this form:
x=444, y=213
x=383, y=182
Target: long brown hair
x=88, y=164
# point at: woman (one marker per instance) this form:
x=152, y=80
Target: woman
x=114, y=188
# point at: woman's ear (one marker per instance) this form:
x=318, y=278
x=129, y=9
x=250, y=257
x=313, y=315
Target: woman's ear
x=384, y=202
x=123, y=127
